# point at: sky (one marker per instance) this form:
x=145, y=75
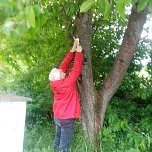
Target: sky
x=147, y=35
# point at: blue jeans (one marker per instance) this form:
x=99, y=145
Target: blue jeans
x=64, y=133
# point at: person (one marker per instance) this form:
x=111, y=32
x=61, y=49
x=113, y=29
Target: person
x=66, y=106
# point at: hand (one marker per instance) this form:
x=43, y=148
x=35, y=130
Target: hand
x=75, y=44
x=79, y=48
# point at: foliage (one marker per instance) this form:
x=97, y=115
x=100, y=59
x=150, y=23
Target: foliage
x=105, y=43
x=86, y=5
x=137, y=82
x=20, y=16
x=128, y=131
x=123, y=131
x=106, y=6
x=36, y=135
x=39, y=137
x=37, y=38
x=142, y=4
x=27, y=59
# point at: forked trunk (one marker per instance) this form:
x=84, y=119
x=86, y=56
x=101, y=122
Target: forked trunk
x=93, y=108
x=122, y=61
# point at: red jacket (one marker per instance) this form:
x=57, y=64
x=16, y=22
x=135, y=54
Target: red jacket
x=66, y=102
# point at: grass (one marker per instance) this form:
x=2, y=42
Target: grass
x=127, y=128
x=39, y=139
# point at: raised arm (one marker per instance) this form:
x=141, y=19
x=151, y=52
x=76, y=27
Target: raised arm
x=66, y=61
x=77, y=66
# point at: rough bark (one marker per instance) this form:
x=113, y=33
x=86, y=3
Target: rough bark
x=130, y=41
x=85, y=85
x=93, y=107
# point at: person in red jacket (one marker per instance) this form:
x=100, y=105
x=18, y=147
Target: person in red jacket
x=66, y=104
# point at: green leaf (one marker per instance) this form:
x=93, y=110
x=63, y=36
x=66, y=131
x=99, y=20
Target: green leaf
x=43, y=19
x=150, y=5
x=142, y=4
x=101, y=5
x=26, y=2
x=116, y=1
x=86, y=6
x=144, y=96
x=37, y=10
x=3, y=3
x=72, y=8
x=133, y=150
x=30, y=17
x=46, y=11
x=15, y=34
x=23, y=1
x=20, y=5
x=107, y=9
x=127, y=2
x=134, y=2
x=121, y=8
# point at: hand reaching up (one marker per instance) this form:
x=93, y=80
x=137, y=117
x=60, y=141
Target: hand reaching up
x=75, y=44
x=79, y=48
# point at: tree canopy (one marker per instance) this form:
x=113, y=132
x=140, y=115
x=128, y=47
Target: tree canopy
x=36, y=34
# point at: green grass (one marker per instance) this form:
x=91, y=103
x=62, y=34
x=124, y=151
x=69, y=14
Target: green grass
x=127, y=128
x=40, y=137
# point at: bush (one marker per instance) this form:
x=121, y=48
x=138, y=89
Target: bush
x=127, y=128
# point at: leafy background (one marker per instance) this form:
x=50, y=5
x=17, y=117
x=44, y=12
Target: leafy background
x=35, y=35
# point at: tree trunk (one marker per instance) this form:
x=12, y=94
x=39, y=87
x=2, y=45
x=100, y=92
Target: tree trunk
x=122, y=61
x=93, y=107
x=85, y=85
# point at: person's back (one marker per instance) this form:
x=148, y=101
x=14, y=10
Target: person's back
x=66, y=105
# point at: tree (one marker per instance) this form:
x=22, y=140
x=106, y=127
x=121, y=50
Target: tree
x=94, y=103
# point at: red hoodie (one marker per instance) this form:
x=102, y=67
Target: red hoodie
x=66, y=102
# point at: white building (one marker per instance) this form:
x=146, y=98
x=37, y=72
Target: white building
x=12, y=122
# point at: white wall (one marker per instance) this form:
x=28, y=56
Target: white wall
x=12, y=121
